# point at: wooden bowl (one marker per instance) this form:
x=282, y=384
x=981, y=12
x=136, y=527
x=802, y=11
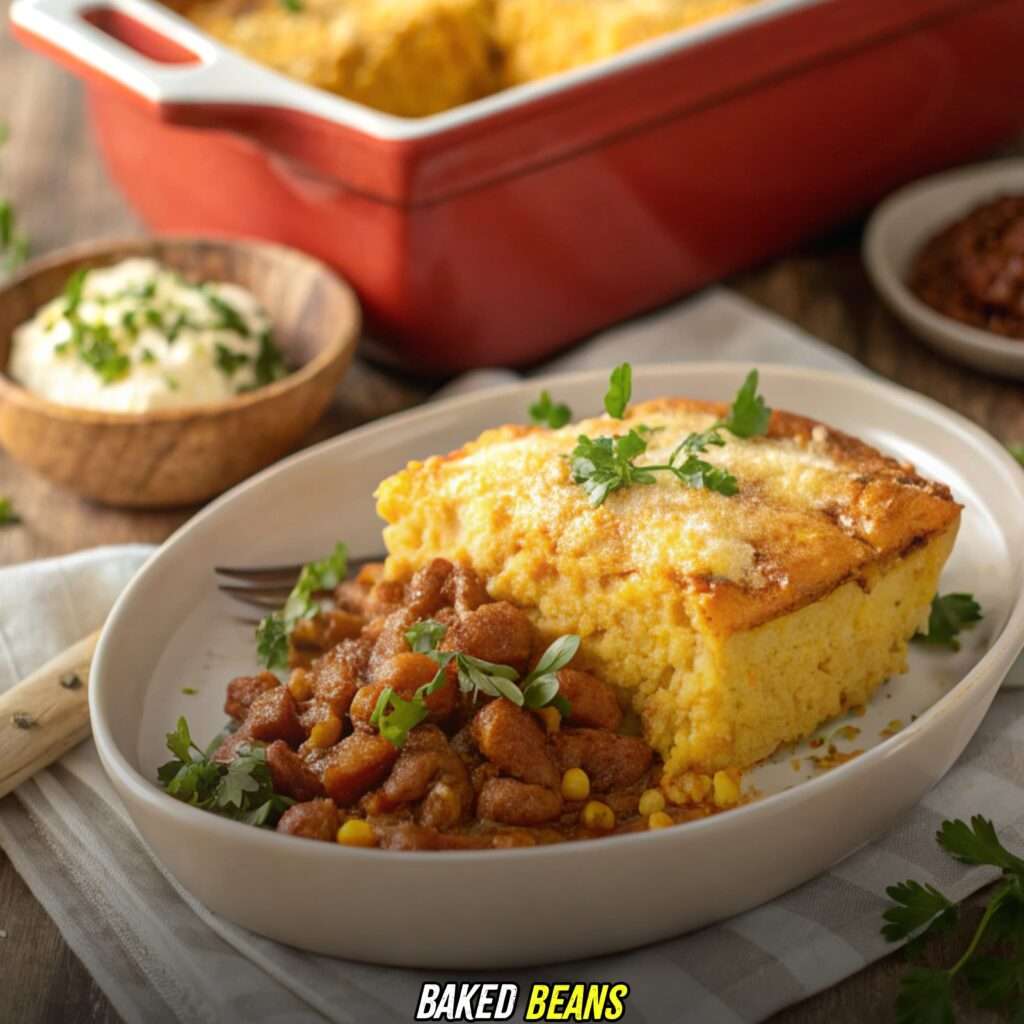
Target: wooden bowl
x=182, y=456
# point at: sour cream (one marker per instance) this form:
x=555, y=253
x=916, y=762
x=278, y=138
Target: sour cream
x=137, y=336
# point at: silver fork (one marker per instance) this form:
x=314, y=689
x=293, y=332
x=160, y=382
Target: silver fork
x=268, y=586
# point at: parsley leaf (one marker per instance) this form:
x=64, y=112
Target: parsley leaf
x=547, y=413
x=227, y=360
x=926, y=997
x=950, y=614
x=229, y=319
x=425, y=636
x=273, y=631
x=978, y=843
x=395, y=717
x=269, y=364
x=602, y=465
x=996, y=982
x=620, y=390
x=294, y=6
x=242, y=789
x=1017, y=451
x=919, y=909
x=8, y=516
x=73, y=291
x=926, y=994
x=748, y=414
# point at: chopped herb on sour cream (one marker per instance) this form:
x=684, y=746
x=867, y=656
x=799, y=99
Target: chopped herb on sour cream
x=138, y=336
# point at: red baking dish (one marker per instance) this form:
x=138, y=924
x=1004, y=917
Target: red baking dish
x=495, y=233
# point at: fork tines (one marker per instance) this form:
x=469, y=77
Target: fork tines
x=268, y=586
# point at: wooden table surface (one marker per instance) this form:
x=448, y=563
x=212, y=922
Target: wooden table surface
x=52, y=172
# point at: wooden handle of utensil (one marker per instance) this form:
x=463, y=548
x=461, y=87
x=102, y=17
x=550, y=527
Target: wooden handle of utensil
x=45, y=715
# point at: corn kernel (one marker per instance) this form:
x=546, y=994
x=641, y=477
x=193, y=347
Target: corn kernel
x=651, y=801
x=598, y=816
x=299, y=685
x=552, y=719
x=575, y=784
x=727, y=792
x=356, y=832
x=659, y=819
x=326, y=732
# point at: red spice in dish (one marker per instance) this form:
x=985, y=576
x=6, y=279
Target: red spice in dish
x=973, y=271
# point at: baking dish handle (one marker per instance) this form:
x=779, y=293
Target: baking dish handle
x=192, y=70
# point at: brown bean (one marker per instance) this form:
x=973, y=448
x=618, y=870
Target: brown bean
x=497, y=632
x=315, y=819
x=425, y=592
x=391, y=641
x=465, y=590
x=511, y=738
x=518, y=803
x=290, y=774
x=592, y=702
x=611, y=761
x=273, y=716
x=244, y=690
x=357, y=764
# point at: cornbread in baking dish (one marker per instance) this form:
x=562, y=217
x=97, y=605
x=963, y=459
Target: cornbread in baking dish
x=542, y=37
x=418, y=57
x=733, y=624
x=406, y=57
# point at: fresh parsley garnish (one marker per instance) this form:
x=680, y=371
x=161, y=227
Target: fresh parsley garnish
x=1017, y=451
x=229, y=319
x=73, y=291
x=273, y=631
x=227, y=360
x=13, y=244
x=242, y=790
x=620, y=390
x=950, y=615
x=8, y=516
x=269, y=364
x=395, y=716
x=294, y=6
x=601, y=465
x=993, y=963
x=545, y=412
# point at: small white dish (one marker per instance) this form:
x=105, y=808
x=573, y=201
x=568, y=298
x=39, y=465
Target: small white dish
x=498, y=908
x=904, y=222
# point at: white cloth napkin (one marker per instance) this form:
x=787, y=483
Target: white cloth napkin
x=159, y=956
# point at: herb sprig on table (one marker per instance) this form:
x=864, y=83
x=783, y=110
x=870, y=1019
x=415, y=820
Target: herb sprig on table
x=8, y=515
x=13, y=244
x=602, y=465
x=949, y=616
x=993, y=962
x=242, y=790
x=396, y=716
x=273, y=631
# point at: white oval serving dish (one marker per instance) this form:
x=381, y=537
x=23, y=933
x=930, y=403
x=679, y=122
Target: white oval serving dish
x=171, y=629
x=904, y=222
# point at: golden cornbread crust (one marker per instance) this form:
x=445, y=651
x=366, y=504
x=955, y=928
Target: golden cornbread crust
x=736, y=623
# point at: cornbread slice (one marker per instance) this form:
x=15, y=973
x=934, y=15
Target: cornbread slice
x=406, y=57
x=542, y=37
x=733, y=624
